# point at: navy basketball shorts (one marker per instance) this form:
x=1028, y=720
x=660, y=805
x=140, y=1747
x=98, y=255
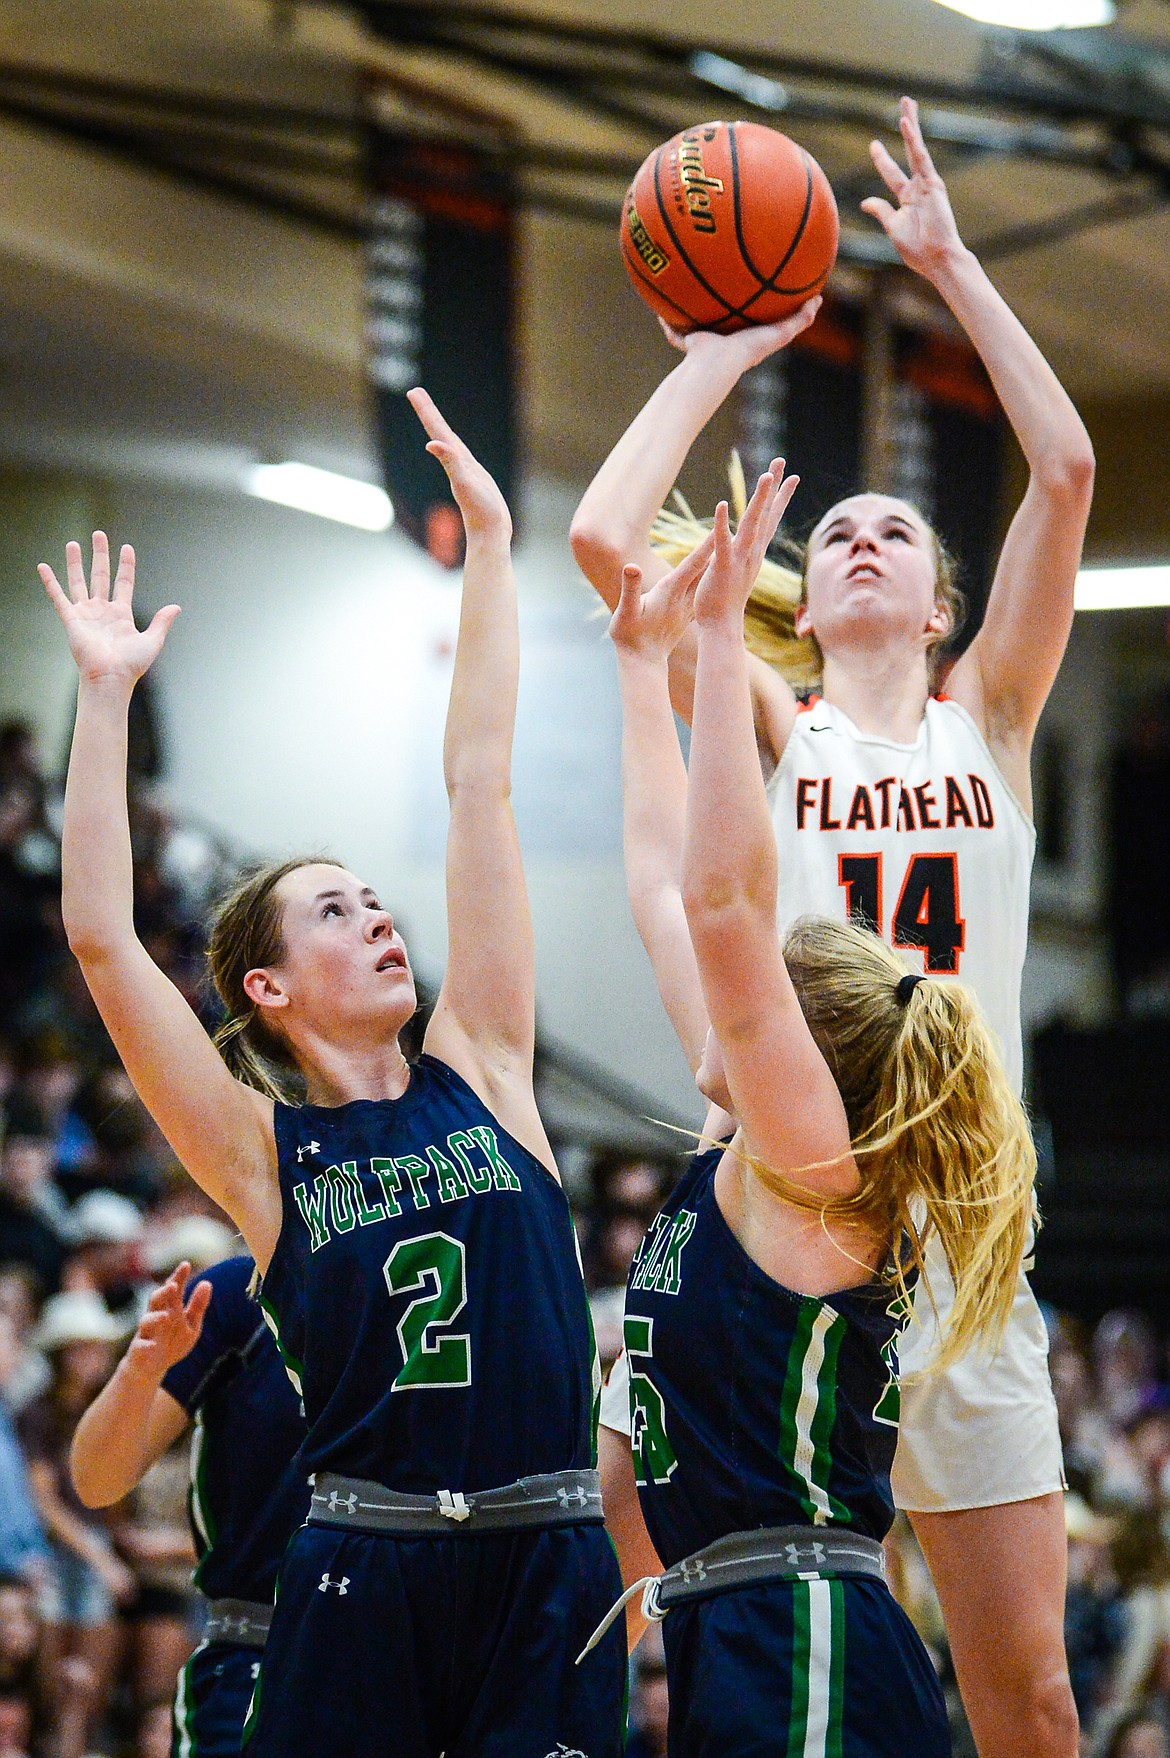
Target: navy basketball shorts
x=815, y=1669
x=465, y=1647
x=211, y=1701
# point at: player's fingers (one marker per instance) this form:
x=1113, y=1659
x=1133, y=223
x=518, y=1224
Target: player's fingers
x=888, y=169
x=917, y=151
x=75, y=573
x=51, y=584
x=99, y=571
x=427, y=410
x=124, y=582
x=160, y=622
x=879, y=210
x=694, y=565
x=198, y=1303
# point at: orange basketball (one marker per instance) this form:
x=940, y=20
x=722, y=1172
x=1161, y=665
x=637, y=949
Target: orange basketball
x=728, y=224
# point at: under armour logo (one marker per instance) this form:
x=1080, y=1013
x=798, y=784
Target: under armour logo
x=454, y=1504
x=693, y=1569
x=313, y=1147
x=336, y=1501
x=560, y=1751
x=237, y=1626
x=577, y=1497
x=801, y=1555
x=324, y=1584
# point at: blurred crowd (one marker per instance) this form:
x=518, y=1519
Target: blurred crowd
x=97, y=1610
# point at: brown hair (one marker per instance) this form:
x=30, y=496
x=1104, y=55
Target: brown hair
x=246, y=934
x=769, y=620
x=941, y=1141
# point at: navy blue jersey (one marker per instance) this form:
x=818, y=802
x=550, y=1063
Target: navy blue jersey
x=248, y=1495
x=752, y=1405
x=426, y=1293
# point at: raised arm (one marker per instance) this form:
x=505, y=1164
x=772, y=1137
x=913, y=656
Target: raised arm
x=1007, y=672
x=484, y=1023
x=219, y=1129
x=788, y=1105
x=133, y=1421
x=612, y=524
x=645, y=629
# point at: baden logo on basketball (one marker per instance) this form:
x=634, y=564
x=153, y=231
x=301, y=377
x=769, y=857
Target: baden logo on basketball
x=696, y=186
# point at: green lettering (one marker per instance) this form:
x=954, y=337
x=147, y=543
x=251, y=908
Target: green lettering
x=669, y=1278
x=448, y=1177
x=313, y=1210
x=366, y=1212
x=479, y=1178
x=416, y=1171
x=388, y=1176
x=341, y=1194
x=502, y=1173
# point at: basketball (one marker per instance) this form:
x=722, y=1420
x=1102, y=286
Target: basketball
x=728, y=224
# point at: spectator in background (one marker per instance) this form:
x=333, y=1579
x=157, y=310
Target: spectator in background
x=1141, y=1563
x=28, y=936
x=1125, y=1361
x=23, y=1709
x=20, y=1304
x=130, y=1153
x=77, y=1335
x=24, y=1554
x=1140, y=1734
x=107, y=1252
x=49, y=1077
x=34, y=1225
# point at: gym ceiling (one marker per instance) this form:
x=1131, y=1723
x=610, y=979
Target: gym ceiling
x=182, y=191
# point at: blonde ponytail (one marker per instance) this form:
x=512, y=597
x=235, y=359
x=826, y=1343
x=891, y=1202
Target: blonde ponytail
x=941, y=1141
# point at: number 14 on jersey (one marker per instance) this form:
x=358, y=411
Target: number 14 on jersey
x=926, y=916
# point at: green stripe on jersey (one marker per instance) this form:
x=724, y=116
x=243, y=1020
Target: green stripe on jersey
x=292, y=1367
x=198, y=1501
x=808, y=1410
x=184, y=1710
x=818, y=1670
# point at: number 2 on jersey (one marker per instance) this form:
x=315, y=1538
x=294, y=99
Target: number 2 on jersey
x=433, y=1268
x=926, y=916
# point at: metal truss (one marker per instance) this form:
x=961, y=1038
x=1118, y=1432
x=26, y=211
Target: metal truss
x=1096, y=102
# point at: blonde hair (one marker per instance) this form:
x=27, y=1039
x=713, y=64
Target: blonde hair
x=246, y=935
x=941, y=1141
x=769, y=620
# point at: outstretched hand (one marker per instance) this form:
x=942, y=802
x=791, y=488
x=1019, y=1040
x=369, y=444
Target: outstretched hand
x=654, y=622
x=485, y=511
x=747, y=347
x=735, y=565
x=169, y=1328
x=922, y=227
x=103, y=637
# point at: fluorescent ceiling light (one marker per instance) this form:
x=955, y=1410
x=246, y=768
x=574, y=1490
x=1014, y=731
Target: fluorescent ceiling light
x=1037, y=15
x=1122, y=588
x=323, y=492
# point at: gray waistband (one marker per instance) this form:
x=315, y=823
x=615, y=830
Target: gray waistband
x=555, y=1498
x=744, y=1559
x=773, y=1553
x=243, y=1621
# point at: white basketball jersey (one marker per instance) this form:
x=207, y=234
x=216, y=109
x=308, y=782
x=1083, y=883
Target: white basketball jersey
x=925, y=841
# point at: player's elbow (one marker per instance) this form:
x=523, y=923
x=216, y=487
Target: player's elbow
x=93, y=1491
x=1069, y=469
x=598, y=552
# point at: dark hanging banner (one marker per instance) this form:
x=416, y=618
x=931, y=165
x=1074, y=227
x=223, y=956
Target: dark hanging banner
x=441, y=284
